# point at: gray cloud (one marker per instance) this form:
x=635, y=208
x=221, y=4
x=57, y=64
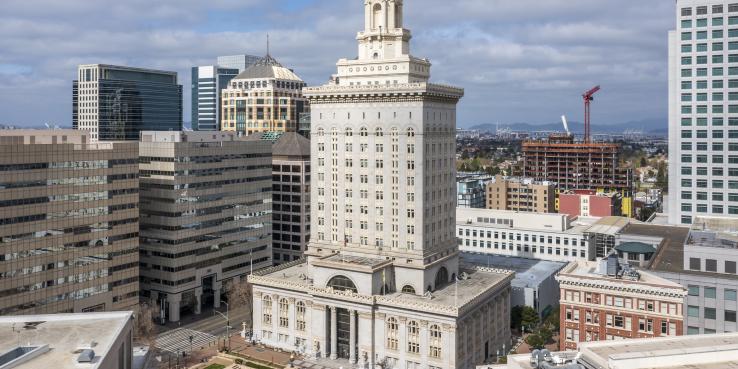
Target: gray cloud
x=522, y=60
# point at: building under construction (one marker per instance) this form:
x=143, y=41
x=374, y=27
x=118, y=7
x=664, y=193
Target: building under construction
x=578, y=166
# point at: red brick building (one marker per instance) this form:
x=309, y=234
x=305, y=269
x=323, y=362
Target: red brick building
x=589, y=203
x=608, y=301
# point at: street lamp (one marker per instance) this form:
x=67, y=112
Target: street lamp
x=191, y=339
x=228, y=321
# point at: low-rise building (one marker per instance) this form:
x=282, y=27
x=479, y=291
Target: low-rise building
x=521, y=194
x=205, y=216
x=553, y=237
x=67, y=341
x=703, y=260
x=590, y=203
x=470, y=189
x=534, y=285
x=684, y=352
x=609, y=300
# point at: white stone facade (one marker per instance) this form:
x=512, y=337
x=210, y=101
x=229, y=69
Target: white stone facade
x=382, y=284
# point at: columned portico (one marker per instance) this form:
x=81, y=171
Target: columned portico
x=334, y=332
x=352, y=337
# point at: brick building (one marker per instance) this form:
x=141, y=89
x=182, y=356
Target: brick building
x=608, y=300
x=588, y=203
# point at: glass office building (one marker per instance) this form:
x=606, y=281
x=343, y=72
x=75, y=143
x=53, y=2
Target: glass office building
x=240, y=62
x=116, y=103
x=207, y=82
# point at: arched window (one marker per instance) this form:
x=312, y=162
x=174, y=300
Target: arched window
x=377, y=16
x=363, y=132
x=300, y=310
x=392, y=334
x=266, y=310
x=413, y=337
x=379, y=132
x=410, y=132
x=342, y=283
x=349, y=132
x=321, y=132
x=441, y=277
x=284, y=313
x=435, y=341
x=408, y=289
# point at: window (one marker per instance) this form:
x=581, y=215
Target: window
x=730, y=295
x=284, y=313
x=436, y=341
x=342, y=283
x=300, y=323
x=392, y=334
x=730, y=267
x=711, y=265
x=695, y=264
x=710, y=292
x=710, y=313
x=413, y=337
x=694, y=290
x=693, y=311
x=266, y=310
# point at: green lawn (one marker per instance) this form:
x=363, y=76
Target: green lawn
x=215, y=366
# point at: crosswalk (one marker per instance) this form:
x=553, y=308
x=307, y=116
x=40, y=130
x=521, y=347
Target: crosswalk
x=178, y=340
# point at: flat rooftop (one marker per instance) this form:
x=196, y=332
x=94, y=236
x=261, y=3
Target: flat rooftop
x=528, y=272
x=715, y=351
x=523, y=221
x=65, y=334
x=714, y=232
x=608, y=225
x=588, y=270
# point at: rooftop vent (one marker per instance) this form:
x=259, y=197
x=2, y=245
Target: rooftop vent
x=86, y=356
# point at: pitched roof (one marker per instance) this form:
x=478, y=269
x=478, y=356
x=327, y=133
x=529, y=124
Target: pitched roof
x=268, y=67
x=292, y=144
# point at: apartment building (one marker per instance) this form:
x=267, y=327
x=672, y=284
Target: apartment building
x=470, y=189
x=703, y=111
x=206, y=216
x=609, y=300
x=291, y=197
x=521, y=194
x=68, y=223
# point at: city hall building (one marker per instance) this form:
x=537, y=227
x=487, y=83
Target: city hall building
x=382, y=283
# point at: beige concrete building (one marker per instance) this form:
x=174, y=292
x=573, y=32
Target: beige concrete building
x=609, y=300
x=266, y=97
x=521, y=194
x=291, y=197
x=68, y=223
x=382, y=284
x=67, y=341
x=206, y=215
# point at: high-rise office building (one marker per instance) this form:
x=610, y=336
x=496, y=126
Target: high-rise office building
x=382, y=283
x=116, y=103
x=703, y=111
x=205, y=216
x=207, y=84
x=291, y=199
x=240, y=62
x=266, y=97
x=68, y=223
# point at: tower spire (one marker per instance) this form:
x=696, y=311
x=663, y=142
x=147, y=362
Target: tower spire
x=268, y=44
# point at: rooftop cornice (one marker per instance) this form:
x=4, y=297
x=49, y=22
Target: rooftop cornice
x=621, y=286
x=398, y=89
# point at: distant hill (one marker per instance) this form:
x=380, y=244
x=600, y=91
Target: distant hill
x=647, y=126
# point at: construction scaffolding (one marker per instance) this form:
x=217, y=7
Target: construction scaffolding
x=577, y=165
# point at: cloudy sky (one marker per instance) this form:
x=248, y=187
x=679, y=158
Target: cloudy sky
x=519, y=60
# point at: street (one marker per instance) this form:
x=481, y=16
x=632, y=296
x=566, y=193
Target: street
x=205, y=329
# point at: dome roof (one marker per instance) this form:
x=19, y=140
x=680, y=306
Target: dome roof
x=268, y=67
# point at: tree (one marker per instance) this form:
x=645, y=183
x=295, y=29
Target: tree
x=241, y=294
x=144, y=329
x=529, y=317
x=644, y=162
x=545, y=334
x=552, y=319
x=535, y=341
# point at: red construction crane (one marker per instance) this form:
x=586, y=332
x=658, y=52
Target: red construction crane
x=588, y=98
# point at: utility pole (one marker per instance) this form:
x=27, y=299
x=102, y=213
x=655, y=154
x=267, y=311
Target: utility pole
x=228, y=322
